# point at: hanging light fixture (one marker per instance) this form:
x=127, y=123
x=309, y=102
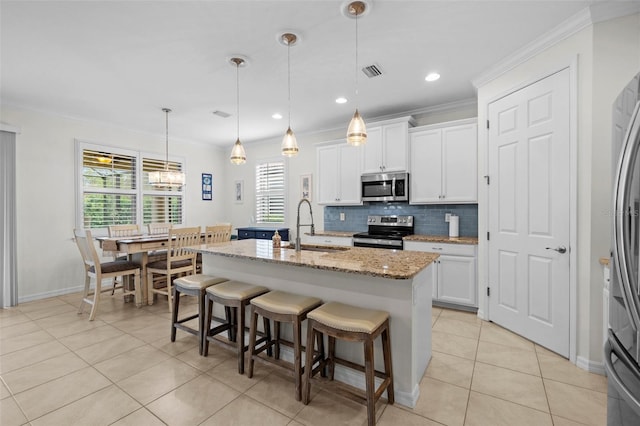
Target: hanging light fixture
x=357, y=131
x=289, y=142
x=238, y=156
x=166, y=177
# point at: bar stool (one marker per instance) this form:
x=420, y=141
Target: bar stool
x=234, y=296
x=280, y=307
x=191, y=285
x=354, y=324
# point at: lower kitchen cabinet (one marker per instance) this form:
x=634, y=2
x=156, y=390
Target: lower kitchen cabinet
x=454, y=272
x=327, y=240
x=259, y=233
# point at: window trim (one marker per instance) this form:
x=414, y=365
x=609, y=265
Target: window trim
x=139, y=192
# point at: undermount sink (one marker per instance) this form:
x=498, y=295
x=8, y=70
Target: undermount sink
x=325, y=249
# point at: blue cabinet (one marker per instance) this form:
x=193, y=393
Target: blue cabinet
x=262, y=233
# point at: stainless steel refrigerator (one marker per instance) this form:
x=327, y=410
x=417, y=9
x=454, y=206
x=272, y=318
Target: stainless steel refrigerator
x=622, y=347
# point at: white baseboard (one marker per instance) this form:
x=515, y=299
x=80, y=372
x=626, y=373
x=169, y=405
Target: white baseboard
x=356, y=379
x=590, y=366
x=52, y=293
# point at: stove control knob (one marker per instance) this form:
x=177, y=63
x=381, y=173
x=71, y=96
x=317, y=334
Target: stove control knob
x=373, y=219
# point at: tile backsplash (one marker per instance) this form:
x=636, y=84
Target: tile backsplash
x=428, y=219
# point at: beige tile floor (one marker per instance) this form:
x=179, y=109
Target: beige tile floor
x=57, y=368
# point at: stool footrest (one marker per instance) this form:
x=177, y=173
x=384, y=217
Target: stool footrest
x=358, y=367
x=189, y=318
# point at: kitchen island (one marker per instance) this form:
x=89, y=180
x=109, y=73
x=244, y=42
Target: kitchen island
x=399, y=282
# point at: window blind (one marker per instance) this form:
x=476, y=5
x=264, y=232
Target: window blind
x=160, y=203
x=109, y=188
x=270, y=192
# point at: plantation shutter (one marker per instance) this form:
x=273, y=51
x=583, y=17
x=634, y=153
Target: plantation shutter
x=270, y=192
x=109, y=188
x=160, y=204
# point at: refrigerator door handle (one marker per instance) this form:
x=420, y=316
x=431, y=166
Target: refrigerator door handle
x=621, y=231
x=613, y=347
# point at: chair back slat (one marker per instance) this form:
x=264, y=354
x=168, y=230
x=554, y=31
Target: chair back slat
x=159, y=228
x=124, y=230
x=217, y=233
x=181, y=238
x=87, y=249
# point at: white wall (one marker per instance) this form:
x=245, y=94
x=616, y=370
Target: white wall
x=607, y=57
x=48, y=260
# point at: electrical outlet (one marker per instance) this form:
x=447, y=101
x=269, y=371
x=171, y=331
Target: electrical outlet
x=341, y=216
x=447, y=217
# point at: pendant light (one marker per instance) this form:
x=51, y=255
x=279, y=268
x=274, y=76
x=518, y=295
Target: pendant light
x=357, y=131
x=166, y=177
x=238, y=156
x=289, y=142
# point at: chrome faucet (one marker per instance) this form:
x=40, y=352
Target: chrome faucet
x=313, y=228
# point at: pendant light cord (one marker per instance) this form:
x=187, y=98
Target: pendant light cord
x=289, y=78
x=166, y=148
x=356, y=69
x=238, y=100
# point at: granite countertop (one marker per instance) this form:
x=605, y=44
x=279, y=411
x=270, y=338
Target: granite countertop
x=394, y=264
x=441, y=239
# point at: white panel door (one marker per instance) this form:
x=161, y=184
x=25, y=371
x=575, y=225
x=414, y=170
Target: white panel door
x=529, y=212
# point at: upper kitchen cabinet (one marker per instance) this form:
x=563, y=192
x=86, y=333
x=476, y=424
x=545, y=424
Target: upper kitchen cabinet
x=444, y=163
x=339, y=169
x=387, y=147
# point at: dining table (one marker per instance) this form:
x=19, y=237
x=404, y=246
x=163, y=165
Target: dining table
x=137, y=248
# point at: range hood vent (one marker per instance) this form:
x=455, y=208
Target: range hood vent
x=372, y=70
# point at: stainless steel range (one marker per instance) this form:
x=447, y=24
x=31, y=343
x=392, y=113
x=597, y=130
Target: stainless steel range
x=385, y=232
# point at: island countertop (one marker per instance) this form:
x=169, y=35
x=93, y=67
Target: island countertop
x=394, y=264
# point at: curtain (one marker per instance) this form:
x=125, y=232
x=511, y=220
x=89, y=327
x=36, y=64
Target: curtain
x=8, y=239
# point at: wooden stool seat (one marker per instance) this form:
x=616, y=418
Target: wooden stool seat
x=285, y=307
x=191, y=285
x=354, y=324
x=234, y=296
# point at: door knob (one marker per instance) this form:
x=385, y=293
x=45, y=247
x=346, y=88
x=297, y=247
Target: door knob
x=559, y=249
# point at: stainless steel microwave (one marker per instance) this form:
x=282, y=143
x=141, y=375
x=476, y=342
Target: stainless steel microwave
x=385, y=187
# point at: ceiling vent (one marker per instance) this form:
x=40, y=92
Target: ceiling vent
x=222, y=114
x=372, y=70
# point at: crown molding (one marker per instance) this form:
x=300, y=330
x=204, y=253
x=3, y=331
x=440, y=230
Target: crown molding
x=593, y=14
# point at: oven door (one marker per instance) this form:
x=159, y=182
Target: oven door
x=377, y=243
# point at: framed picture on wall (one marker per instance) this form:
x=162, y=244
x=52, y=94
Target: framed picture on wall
x=239, y=191
x=207, y=186
x=305, y=186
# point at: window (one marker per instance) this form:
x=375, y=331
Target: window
x=270, y=192
x=114, y=189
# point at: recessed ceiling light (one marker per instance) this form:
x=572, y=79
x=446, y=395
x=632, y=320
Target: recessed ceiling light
x=432, y=76
x=341, y=100
x=277, y=116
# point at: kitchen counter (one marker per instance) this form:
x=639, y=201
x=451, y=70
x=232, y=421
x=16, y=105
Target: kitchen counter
x=399, y=282
x=441, y=239
x=396, y=264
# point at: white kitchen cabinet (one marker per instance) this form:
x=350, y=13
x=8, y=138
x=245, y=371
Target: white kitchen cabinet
x=444, y=163
x=454, y=272
x=338, y=171
x=327, y=240
x=387, y=147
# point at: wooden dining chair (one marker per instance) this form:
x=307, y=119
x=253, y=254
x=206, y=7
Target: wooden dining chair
x=120, y=231
x=99, y=271
x=178, y=260
x=218, y=233
x=159, y=228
